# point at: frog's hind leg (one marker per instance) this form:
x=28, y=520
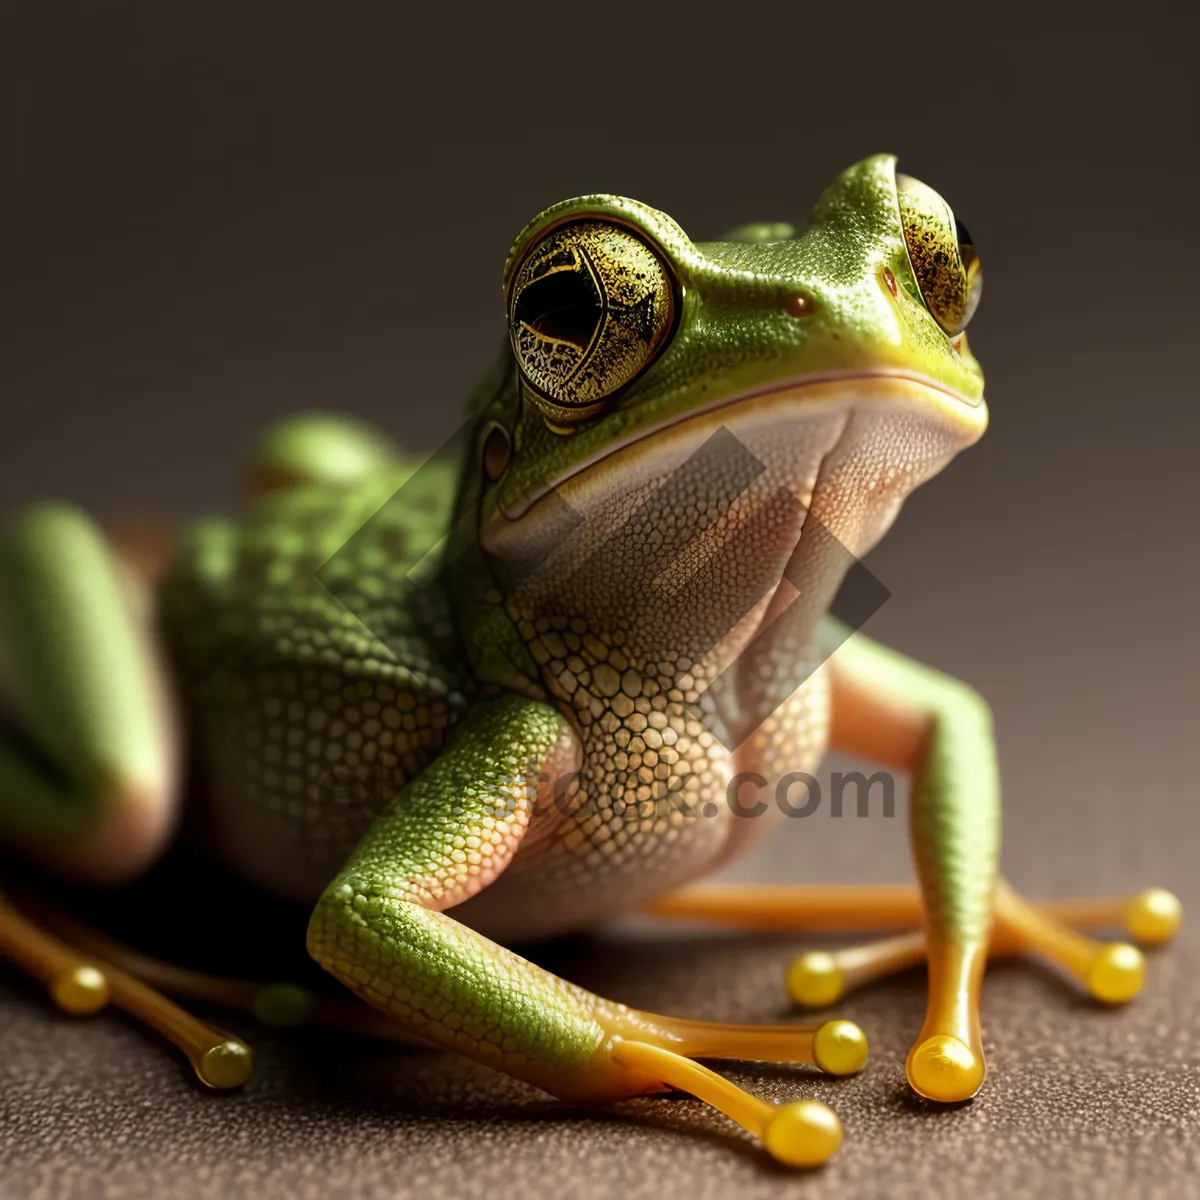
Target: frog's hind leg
x=88, y=750
x=318, y=449
x=379, y=928
x=88, y=761
x=82, y=983
x=75, y=962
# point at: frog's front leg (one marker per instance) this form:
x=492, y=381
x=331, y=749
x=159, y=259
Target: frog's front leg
x=895, y=711
x=380, y=928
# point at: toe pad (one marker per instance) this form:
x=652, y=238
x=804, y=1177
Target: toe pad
x=1154, y=916
x=1116, y=973
x=803, y=1134
x=815, y=980
x=945, y=1069
x=840, y=1048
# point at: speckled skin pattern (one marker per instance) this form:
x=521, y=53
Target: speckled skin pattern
x=629, y=613
x=609, y=565
x=307, y=690
x=408, y=958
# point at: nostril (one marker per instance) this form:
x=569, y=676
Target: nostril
x=799, y=304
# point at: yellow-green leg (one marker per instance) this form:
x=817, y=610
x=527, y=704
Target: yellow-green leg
x=379, y=928
x=88, y=761
x=87, y=757
x=893, y=710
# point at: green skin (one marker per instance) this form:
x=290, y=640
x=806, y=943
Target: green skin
x=459, y=691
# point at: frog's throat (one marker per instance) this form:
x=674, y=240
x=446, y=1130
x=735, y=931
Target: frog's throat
x=962, y=420
x=728, y=492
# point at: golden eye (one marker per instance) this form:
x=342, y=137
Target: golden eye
x=589, y=308
x=941, y=253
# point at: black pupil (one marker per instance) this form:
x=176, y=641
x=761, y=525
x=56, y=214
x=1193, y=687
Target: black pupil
x=963, y=234
x=562, y=305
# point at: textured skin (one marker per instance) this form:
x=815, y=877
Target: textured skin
x=630, y=608
x=625, y=625
x=735, y=334
x=314, y=699
x=956, y=800
x=448, y=834
x=668, y=582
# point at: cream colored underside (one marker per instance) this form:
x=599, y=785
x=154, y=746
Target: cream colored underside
x=685, y=546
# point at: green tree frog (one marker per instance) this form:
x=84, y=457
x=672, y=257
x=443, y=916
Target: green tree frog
x=449, y=705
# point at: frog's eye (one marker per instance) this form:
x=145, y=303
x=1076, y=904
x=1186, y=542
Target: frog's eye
x=941, y=253
x=589, y=307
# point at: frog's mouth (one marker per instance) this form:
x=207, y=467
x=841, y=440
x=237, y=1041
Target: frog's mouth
x=912, y=400
x=677, y=542
x=849, y=448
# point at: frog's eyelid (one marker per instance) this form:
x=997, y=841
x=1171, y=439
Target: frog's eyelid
x=664, y=234
x=691, y=269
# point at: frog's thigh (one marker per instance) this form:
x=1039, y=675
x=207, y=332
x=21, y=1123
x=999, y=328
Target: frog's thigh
x=88, y=757
x=87, y=760
x=318, y=449
x=379, y=928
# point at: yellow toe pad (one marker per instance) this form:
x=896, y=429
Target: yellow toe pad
x=803, y=1134
x=81, y=990
x=1154, y=916
x=945, y=1069
x=815, y=980
x=226, y=1065
x=840, y=1048
x=1116, y=973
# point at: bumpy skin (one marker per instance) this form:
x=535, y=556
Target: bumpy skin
x=379, y=922
x=617, y=588
x=318, y=676
x=536, y=722
x=646, y=574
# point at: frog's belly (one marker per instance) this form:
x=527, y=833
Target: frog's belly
x=601, y=859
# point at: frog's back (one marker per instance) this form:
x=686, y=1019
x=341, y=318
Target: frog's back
x=318, y=665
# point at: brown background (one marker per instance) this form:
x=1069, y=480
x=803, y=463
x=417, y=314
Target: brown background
x=211, y=221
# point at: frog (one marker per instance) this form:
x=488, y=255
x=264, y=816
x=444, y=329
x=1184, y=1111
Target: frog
x=545, y=679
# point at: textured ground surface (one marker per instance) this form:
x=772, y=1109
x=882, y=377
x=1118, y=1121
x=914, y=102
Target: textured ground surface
x=222, y=221
x=1080, y=1101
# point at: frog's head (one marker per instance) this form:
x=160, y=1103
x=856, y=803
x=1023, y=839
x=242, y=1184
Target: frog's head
x=830, y=362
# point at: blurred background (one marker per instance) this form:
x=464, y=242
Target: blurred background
x=211, y=220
